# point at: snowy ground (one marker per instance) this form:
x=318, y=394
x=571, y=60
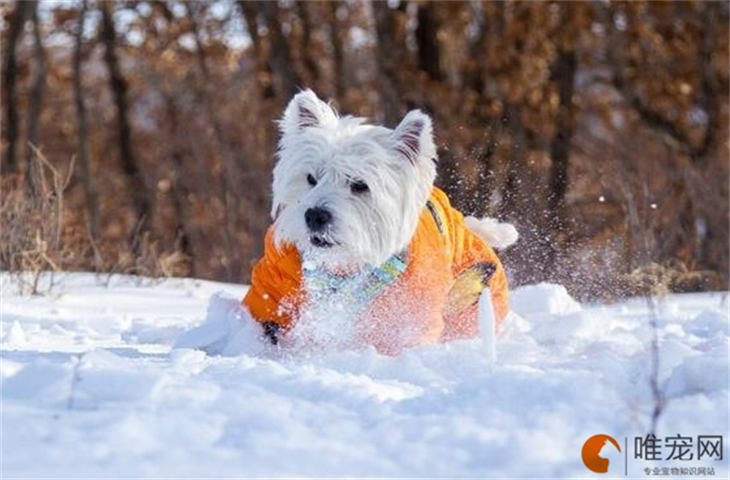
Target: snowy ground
x=92, y=386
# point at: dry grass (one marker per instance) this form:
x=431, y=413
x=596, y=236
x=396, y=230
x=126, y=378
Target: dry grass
x=34, y=236
x=38, y=236
x=674, y=276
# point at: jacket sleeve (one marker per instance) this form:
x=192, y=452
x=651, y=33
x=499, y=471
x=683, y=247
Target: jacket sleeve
x=275, y=282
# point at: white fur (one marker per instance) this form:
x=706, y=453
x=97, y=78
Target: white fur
x=495, y=233
x=397, y=165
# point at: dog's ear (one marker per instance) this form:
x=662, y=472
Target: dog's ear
x=306, y=110
x=413, y=137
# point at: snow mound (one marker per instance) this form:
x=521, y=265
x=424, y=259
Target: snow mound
x=228, y=329
x=708, y=324
x=700, y=374
x=542, y=299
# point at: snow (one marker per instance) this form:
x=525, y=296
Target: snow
x=103, y=378
x=487, y=326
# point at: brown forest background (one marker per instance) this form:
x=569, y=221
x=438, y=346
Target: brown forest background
x=138, y=137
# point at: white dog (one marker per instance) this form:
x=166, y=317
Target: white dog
x=360, y=227
x=363, y=250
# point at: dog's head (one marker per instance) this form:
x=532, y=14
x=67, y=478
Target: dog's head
x=347, y=193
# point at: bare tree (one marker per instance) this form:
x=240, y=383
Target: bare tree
x=228, y=159
x=84, y=162
x=429, y=54
x=564, y=69
x=180, y=190
x=512, y=201
x=489, y=29
x=305, y=47
x=473, y=68
x=141, y=197
x=563, y=72
x=390, y=56
x=10, y=75
x=337, y=52
x=280, y=58
x=708, y=81
x=263, y=69
x=36, y=99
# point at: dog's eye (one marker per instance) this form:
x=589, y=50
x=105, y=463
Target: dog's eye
x=311, y=180
x=359, y=187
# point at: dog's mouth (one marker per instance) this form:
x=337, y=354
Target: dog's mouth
x=320, y=242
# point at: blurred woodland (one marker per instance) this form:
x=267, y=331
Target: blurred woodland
x=139, y=137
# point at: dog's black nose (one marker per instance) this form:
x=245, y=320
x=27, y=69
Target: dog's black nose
x=317, y=218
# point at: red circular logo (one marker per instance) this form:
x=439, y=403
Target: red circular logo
x=591, y=448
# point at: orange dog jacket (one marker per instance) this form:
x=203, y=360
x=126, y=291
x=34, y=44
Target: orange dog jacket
x=434, y=299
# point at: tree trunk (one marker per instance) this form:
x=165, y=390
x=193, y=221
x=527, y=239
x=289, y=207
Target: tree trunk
x=15, y=31
x=429, y=55
x=564, y=70
x=180, y=191
x=280, y=60
x=34, y=103
x=708, y=80
x=474, y=64
x=337, y=54
x=389, y=55
x=262, y=68
x=228, y=157
x=92, y=201
x=141, y=197
x=481, y=194
x=709, y=101
x=490, y=25
x=512, y=201
x=310, y=65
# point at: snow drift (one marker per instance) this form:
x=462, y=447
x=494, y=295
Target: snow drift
x=110, y=379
